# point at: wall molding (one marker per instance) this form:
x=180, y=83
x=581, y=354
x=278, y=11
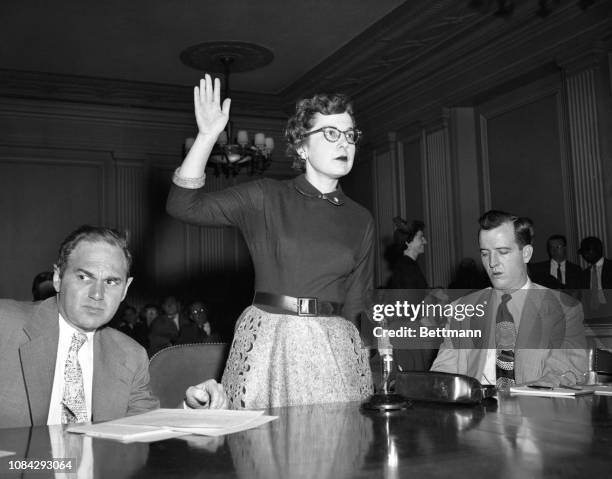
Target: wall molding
x=438, y=197
x=585, y=157
x=42, y=86
x=385, y=204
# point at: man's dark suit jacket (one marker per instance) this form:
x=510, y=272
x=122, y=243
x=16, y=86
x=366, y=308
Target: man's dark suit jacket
x=191, y=333
x=138, y=332
x=29, y=334
x=604, y=310
x=540, y=273
x=163, y=332
x=606, y=275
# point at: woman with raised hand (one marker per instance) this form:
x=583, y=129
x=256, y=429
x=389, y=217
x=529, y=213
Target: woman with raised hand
x=311, y=248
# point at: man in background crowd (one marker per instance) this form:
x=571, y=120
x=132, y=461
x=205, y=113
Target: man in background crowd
x=200, y=329
x=167, y=327
x=132, y=325
x=557, y=272
x=597, y=278
x=42, y=286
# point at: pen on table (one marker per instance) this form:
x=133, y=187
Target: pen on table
x=537, y=386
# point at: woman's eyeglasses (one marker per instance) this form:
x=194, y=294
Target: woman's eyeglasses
x=332, y=134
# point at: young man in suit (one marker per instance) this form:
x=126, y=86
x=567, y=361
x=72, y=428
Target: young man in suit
x=557, y=272
x=527, y=333
x=58, y=361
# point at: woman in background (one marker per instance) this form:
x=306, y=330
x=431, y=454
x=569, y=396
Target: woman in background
x=407, y=276
x=410, y=241
x=311, y=248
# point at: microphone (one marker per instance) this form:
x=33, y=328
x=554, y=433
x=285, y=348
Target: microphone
x=384, y=400
x=385, y=351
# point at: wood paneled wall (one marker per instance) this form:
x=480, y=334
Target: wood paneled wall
x=525, y=162
x=537, y=148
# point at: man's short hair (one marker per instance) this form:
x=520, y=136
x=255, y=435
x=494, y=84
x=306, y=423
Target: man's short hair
x=93, y=234
x=523, y=227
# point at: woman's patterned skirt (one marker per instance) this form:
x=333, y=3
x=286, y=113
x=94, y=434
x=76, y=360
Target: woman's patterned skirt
x=287, y=360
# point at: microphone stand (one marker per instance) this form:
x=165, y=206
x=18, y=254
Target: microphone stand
x=385, y=400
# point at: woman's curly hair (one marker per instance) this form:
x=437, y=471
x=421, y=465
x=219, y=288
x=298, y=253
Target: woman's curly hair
x=301, y=122
x=404, y=232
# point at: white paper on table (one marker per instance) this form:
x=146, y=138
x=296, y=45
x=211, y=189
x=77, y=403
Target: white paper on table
x=258, y=421
x=600, y=389
x=190, y=418
x=125, y=433
x=168, y=423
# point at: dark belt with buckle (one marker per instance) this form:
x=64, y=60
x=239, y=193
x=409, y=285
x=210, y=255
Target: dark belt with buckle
x=306, y=306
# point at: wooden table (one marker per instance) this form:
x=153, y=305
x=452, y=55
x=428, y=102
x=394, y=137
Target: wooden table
x=511, y=437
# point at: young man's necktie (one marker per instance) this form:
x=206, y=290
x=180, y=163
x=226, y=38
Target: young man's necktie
x=505, y=339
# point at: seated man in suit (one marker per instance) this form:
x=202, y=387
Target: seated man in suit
x=133, y=326
x=557, y=272
x=199, y=329
x=527, y=334
x=597, y=278
x=168, y=326
x=58, y=363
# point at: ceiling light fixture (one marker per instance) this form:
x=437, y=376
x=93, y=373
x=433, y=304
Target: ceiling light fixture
x=231, y=154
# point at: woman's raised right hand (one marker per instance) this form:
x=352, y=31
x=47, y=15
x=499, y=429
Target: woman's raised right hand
x=211, y=115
